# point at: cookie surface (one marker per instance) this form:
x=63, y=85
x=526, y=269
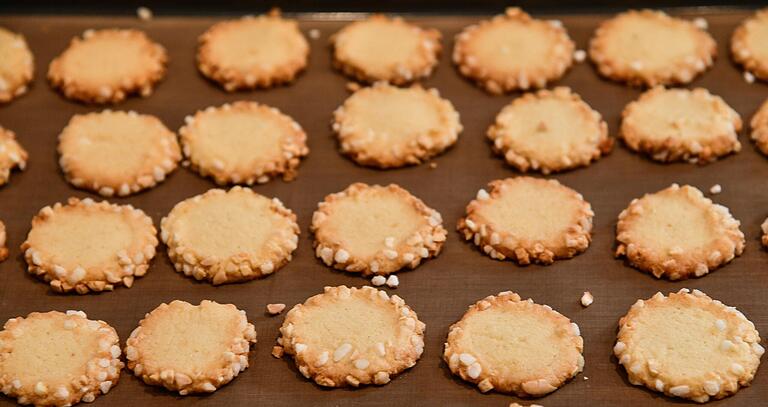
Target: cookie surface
x=116, y=152
x=3, y=248
x=514, y=346
x=105, y=66
x=243, y=142
x=373, y=229
x=549, y=131
x=352, y=336
x=749, y=44
x=58, y=359
x=229, y=236
x=513, y=51
x=16, y=65
x=385, y=126
x=677, y=233
x=88, y=246
x=381, y=48
x=688, y=345
x=681, y=125
x=12, y=155
x=759, y=128
x=528, y=220
x=626, y=48
x=190, y=348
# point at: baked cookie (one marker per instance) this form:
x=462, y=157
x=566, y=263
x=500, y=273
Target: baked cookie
x=681, y=125
x=382, y=48
x=385, y=126
x=650, y=48
x=16, y=65
x=549, y=131
x=759, y=126
x=688, y=345
x=3, y=248
x=514, y=346
x=58, y=359
x=253, y=52
x=105, y=66
x=352, y=336
x=229, y=236
x=89, y=246
x=243, y=142
x=190, y=348
x=376, y=230
x=12, y=155
x=749, y=44
x=117, y=153
x=513, y=51
x=677, y=233
x=528, y=220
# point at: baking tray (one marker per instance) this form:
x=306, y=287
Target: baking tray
x=440, y=289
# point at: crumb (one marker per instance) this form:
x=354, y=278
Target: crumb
x=716, y=189
x=378, y=280
x=586, y=378
x=579, y=55
x=432, y=165
x=587, y=299
x=749, y=77
x=701, y=23
x=144, y=13
x=393, y=281
x=314, y=33
x=274, y=309
x=277, y=351
x=353, y=86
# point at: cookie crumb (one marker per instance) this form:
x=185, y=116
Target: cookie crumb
x=393, y=281
x=144, y=13
x=579, y=55
x=378, y=280
x=716, y=189
x=274, y=309
x=353, y=86
x=314, y=33
x=586, y=378
x=432, y=165
x=701, y=22
x=277, y=352
x=749, y=77
x=587, y=299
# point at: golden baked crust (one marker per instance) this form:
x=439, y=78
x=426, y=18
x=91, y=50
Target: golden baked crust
x=759, y=128
x=3, y=248
x=749, y=45
x=16, y=65
x=12, y=155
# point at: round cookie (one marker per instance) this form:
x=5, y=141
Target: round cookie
x=117, y=153
x=677, y=233
x=513, y=51
x=375, y=230
x=253, y=52
x=381, y=48
x=759, y=126
x=549, y=131
x=650, y=48
x=89, y=246
x=385, y=126
x=749, y=44
x=514, y=346
x=243, y=142
x=16, y=65
x=58, y=359
x=681, y=125
x=229, y=236
x=528, y=220
x=688, y=345
x=3, y=249
x=352, y=336
x=12, y=155
x=190, y=348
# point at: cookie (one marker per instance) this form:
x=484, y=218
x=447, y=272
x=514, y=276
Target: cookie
x=86, y=246
x=16, y=65
x=514, y=346
x=759, y=126
x=648, y=47
x=190, y=348
x=229, y=236
x=528, y=220
x=549, y=131
x=252, y=52
x=374, y=229
x=688, y=345
x=513, y=51
x=681, y=125
x=58, y=359
x=243, y=143
x=381, y=48
x=749, y=44
x=3, y=248
x=116, y=152
x=385, y=126
x=106, y=66
x=352, y=336
x=677, y=233
x=12, y=155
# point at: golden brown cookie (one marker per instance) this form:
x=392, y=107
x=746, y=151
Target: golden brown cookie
x=12, y=155
x=759, y=127
x=3, y=248
x=16, y=65
x=749, y=44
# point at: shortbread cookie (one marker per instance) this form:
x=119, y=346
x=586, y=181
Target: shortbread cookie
x=514, y=346
x=16, y=65
x=381, y=48
x=352, y=337
x=57, y=359
x=89, y=246
x=528, y=220
x=749, y=44
x=3, y=248
x=688, y=345
x=385, y=126
x=190, y=348
x=243, y=142
x=681, y=125
x=513, y=51
x=229, y=236
x=106, y=66
x=650, y=48
x=12, y=155
x=677, y=233
x=117, y=153
x=759, y=126
x=549, y=131
x=253, y=52
x=376, y=230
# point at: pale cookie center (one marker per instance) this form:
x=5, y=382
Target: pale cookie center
x=511, y=46
x=394, y=117
x=259, y=44
x=670, y=220
x=108, y=59
x=654, y=44
x=380, y=46
x=756, y=39
x=12, y=57
x=674, y=114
